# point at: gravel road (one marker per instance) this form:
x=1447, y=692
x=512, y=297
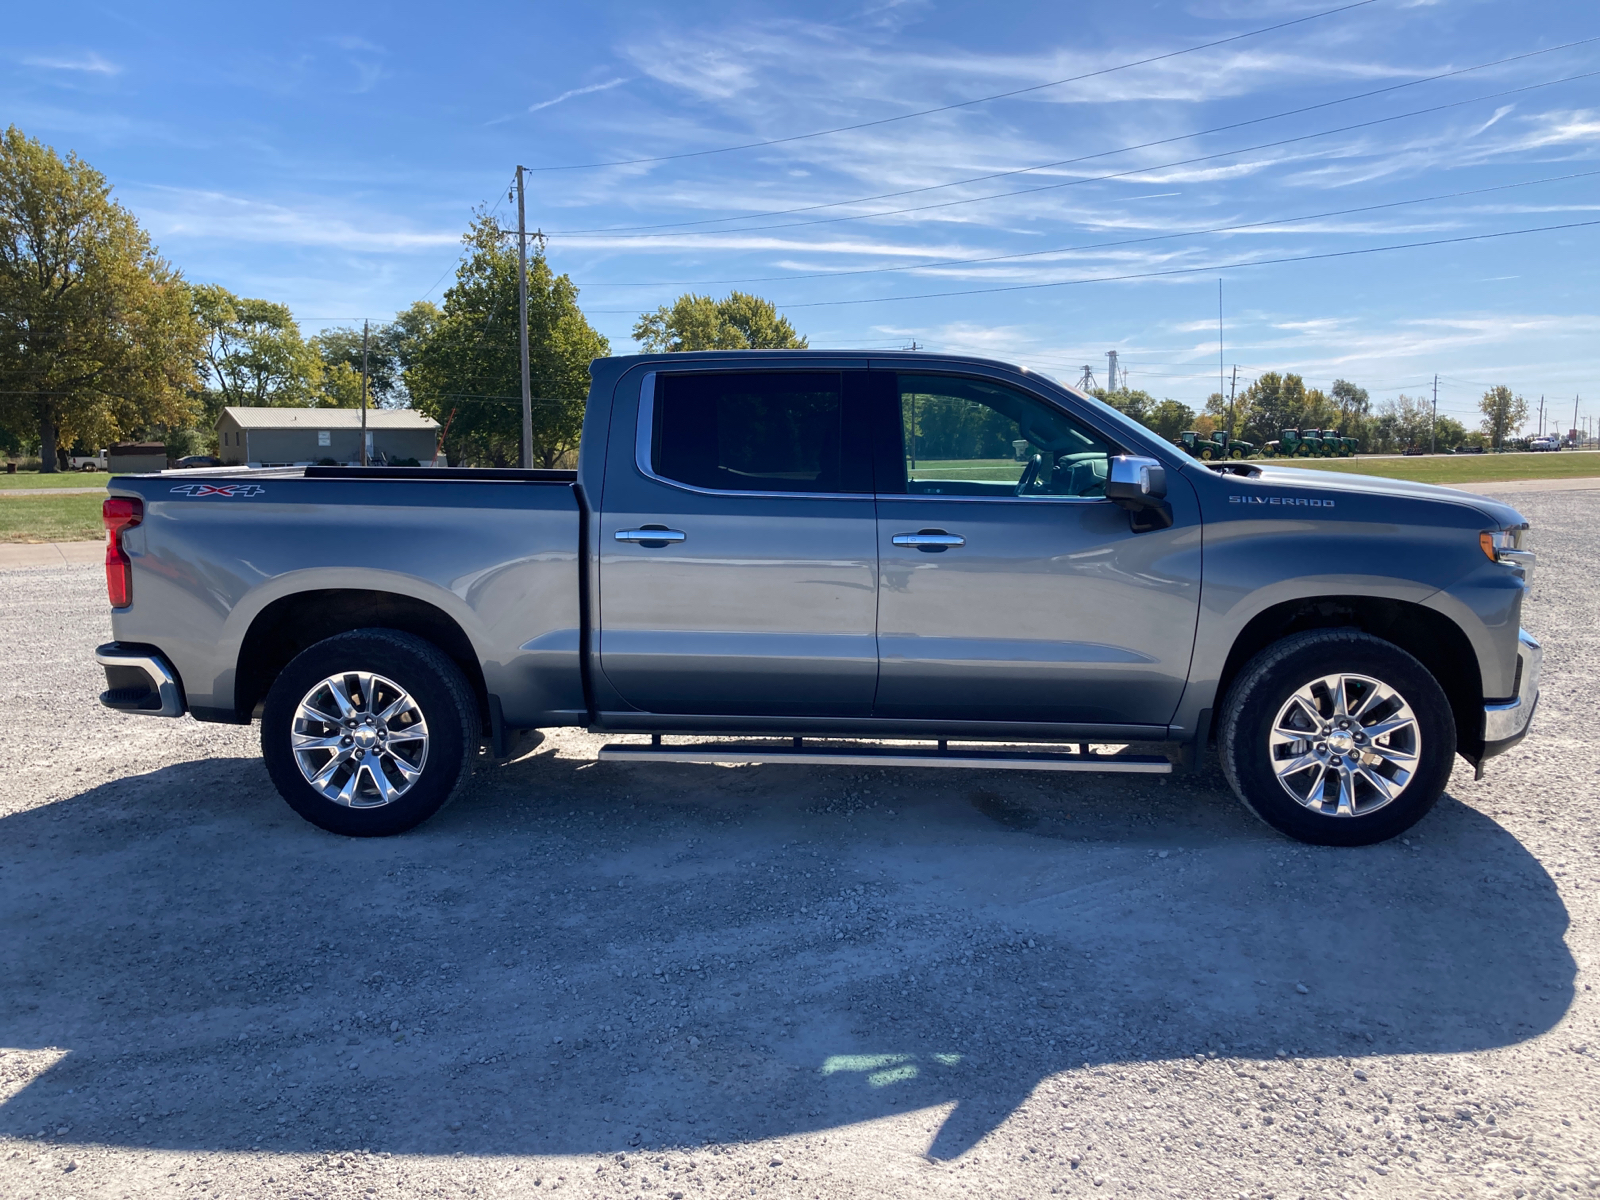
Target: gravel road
x=612, y=981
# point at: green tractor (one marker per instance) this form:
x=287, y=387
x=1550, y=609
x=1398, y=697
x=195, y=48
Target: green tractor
x=1205, y=449
x=1333, y=443
x=1290, y=444
x=1233, y=447
x=1218, y=445
x=1312, y=443
x=1319, y=442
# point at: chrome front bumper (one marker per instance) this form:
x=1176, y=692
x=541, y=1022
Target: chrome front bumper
x=1504, y=724
x=139, y=680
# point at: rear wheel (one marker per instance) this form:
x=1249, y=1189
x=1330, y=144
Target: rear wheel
x=1337, y=738
x=369, y=733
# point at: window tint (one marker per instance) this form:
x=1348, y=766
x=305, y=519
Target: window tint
x=766, y=432
x=966, y=437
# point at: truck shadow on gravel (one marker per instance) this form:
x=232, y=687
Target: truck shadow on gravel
x=579, y=957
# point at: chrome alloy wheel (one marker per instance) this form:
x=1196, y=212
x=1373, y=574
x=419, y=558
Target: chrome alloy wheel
x=1345, y=745
x=359, y=739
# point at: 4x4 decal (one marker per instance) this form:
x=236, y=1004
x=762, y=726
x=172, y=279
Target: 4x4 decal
x=229, y=490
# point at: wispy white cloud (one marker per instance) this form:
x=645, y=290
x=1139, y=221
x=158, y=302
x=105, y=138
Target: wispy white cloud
x=88, y=62
x=184, y=213
x=579, y=91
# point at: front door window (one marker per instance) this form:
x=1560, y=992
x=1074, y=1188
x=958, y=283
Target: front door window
x=968, y=437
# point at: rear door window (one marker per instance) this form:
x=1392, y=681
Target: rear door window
x=771, y=431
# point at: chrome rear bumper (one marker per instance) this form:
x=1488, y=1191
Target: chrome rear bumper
x=1505, y=723
x=139, y=680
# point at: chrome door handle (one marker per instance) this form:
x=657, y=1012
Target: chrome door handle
x=929, y=537
x=650, y=535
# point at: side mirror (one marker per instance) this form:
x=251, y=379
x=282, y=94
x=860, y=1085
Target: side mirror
x=1136, y=482
x=1139, y=485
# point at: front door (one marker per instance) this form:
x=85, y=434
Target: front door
x=1012, y=590
x=738, y=565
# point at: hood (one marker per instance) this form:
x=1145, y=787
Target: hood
x=1500, y=514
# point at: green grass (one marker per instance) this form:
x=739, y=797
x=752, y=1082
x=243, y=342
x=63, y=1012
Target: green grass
x=50, y=518
x=32, y=479
x=1459, y=468
x=986, y=470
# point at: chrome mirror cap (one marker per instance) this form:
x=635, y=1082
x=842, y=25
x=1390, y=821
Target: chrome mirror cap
x=1137, y=479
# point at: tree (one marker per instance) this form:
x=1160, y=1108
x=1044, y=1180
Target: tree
x=740, y=322
x=1352, y=401
x=466, y=359
x=254, y=355
x=1169, y=419
x=1405, y=421
x=1131, y=402
x=1272, y=404
x=1503, y=414
x=96, y=331
x=391, y=348
x=1449, y=433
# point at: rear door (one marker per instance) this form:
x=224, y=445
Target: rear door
x=1012, y=589
x=738, y=565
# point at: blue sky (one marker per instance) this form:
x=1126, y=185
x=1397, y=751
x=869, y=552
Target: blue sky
x=329, y=156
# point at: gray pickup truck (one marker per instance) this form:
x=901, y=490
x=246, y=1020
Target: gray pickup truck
x=834, y=558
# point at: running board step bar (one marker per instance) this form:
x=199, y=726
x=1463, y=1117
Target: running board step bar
x=823, y=755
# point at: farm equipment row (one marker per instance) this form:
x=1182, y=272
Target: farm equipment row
x=1291, y=443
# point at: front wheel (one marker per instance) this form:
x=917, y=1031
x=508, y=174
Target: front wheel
x=1337, y=738
x=369, y=733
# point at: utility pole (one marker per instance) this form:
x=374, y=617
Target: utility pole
x=1574, y=416
x=522, y=319
x=1541, y=417
x=1233, y=386
x=364, y=393
x=1433, y=423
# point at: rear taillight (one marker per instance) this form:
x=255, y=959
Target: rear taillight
x=119, y=513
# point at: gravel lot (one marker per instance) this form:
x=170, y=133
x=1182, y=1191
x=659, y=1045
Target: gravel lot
x=597, y=980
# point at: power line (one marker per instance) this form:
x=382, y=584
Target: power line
x=784, y=212
x=1142, y=170
x=1264, y=262
x=926, y=112
x=1161, y=237
x=447, y=270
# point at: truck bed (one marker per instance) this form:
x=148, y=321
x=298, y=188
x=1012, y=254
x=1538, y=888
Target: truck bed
x=238, y=561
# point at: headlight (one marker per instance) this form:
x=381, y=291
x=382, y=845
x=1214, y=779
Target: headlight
x=1505, y=546
x=1496, y=540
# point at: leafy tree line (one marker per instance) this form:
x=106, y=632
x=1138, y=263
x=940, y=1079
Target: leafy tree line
x=1262, y=410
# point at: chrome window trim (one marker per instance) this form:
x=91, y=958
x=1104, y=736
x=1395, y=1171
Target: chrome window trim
x=995, y=499
x=644, y=435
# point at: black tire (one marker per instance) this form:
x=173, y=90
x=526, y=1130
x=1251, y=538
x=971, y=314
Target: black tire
x=439, y=692
x=1265, y=687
